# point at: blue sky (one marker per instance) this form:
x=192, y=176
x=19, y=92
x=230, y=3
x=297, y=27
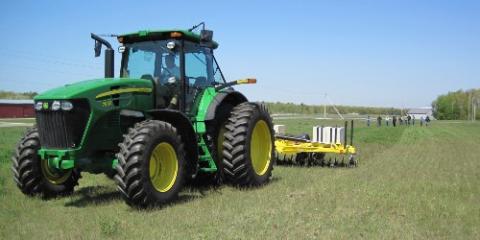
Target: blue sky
x=370, y=53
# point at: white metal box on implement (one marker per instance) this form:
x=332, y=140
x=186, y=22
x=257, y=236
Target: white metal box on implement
x=279, y=129
x=333, y=135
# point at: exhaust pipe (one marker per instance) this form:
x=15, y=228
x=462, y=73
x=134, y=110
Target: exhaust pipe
x=109, y=63
x=109, y=54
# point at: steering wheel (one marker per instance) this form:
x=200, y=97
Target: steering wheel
x=147, y=77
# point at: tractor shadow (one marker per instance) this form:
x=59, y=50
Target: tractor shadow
x=94, y=195
x=103, y=195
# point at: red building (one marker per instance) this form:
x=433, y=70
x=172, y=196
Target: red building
x=16, y=108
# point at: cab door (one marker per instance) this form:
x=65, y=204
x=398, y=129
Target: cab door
x=199, y=73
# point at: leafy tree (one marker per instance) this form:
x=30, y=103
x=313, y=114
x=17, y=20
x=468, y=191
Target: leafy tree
x=456, y=105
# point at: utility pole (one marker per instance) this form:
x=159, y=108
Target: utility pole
x=334, y=107
x=470, y=107
x=453, y=113
x=474, y=108
x=325, y=107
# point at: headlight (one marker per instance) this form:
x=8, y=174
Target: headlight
x=55, y=105
x=67, y=106
x=171, y=45
x=38, y=106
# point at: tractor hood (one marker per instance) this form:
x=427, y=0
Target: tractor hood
x=92, y=88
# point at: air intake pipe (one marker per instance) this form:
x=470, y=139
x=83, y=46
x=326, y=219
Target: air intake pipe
x=109, y=54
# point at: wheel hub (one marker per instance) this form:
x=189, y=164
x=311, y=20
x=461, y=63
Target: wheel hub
x=261, y=147
x=163, y=167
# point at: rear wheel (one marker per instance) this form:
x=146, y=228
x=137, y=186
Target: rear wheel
x=249, y=145
x=151, y=164
x=34, y=176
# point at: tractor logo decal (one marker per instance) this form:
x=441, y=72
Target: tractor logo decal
x=123, y=90
x=107, y=103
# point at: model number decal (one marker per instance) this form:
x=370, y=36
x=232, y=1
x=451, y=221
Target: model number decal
x=107, y=103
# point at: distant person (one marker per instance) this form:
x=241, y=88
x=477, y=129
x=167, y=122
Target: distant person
x=427, y=121
x=379, y=121
x=400, y=119
x=413, y=120
x=387, y=120
x=394, y=121
x=421, y=121
x=368, y=121
x=409, y=118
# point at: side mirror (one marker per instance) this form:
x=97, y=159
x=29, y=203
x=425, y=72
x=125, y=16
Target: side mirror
x=206, y=35
x=98, y=48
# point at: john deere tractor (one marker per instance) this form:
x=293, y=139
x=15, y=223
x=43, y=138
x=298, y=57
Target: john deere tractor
x=170, y=118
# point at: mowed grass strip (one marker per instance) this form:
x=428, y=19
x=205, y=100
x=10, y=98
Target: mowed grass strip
x=412, y=183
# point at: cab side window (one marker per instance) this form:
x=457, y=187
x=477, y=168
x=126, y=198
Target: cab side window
x=141, y=63
x=217, y=73
x=199, y=67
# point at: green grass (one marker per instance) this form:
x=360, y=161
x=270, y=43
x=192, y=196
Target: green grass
x=412, y=183
x=17, y=120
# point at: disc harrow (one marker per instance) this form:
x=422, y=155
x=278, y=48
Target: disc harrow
x=333, y=151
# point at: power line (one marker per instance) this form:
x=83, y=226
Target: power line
x=39, y=58
x=47, y=71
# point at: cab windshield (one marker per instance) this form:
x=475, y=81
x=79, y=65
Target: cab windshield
x=150, y=60
x=153, y=60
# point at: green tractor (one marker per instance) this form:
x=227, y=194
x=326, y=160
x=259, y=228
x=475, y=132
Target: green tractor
x=171, y=118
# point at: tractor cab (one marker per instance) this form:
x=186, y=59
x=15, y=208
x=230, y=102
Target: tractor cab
x=180, y=64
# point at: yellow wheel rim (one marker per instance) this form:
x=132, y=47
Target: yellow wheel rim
x=220, y=139
x=163, y=167
x=261, y=147
x=54, y=177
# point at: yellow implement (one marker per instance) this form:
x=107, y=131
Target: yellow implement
x=293, y=151
x=293, y=147
x=302, y=150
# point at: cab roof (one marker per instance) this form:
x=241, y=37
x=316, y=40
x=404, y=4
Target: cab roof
x=150, y=35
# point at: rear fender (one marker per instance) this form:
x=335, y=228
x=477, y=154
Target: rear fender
x=231, y=97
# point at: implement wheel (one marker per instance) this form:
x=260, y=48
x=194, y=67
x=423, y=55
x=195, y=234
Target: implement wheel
x=249, y=145
x=33, y=175
x=151, y=164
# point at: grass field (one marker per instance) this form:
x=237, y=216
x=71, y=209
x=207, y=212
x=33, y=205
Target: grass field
x=412, y=183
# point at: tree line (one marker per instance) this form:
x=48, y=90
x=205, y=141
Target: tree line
x=16, y=95
x=453, y=105
x=278, y=107
x=457, y=105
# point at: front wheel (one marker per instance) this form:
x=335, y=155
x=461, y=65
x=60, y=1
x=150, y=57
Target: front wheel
x=33, y=175
x=151, y=164
x=248, y=146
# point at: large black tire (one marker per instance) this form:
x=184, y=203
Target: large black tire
x=242, y=152
x=31, y=174
x=134, y=170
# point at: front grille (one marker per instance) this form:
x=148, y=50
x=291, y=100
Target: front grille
x=63, y=129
